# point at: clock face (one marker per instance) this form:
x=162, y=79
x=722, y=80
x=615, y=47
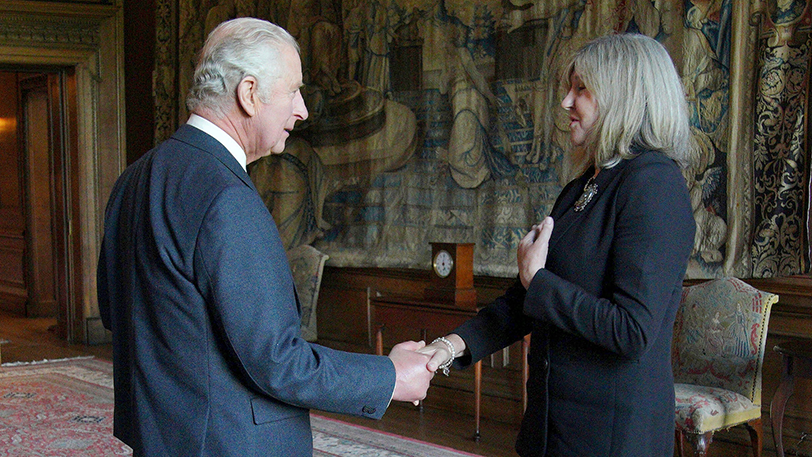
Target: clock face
x=443, y=263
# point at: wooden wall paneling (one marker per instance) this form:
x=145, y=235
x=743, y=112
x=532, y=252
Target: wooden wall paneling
x=342, y=317
x=12, y=222
x=791, y=319
x=61, y=94
x=343, y=310
x=12, y=283
x=139, y=47
x=344, y=324
x=36, y=118
x=501, y=395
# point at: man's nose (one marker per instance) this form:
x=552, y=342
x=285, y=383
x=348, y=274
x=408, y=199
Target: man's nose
x=300, y=109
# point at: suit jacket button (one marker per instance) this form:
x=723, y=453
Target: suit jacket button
x=369, y=410
x=544, y=364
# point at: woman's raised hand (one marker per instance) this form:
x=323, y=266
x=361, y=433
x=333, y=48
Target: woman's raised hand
x=532, y=252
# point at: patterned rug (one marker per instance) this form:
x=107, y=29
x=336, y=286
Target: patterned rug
x=335, y=438
x=64, y=408
x=58, y=408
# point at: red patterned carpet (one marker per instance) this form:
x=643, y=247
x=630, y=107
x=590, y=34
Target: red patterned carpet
x=336, y=438
x=64, y=408
x=59, y=408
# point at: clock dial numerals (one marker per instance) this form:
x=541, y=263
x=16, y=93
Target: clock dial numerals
x=443, y=263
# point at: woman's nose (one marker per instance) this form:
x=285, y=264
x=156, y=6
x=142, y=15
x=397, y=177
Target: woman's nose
x=566, y=103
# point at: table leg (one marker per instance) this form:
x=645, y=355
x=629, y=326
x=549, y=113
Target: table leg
x=477, y=396
x=779, y=402
x=379, y=340
x=525, y=370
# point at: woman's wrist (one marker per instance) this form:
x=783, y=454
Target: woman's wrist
x=452, y=344
x=458, y=342
x=452, y=354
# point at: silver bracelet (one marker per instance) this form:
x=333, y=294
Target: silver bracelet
x=447, y=364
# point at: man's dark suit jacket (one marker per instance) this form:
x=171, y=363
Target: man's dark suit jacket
x=194, y=283
x=601, y=315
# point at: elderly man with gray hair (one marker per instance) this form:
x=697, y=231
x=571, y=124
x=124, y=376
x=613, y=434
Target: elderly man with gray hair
x=194, y=282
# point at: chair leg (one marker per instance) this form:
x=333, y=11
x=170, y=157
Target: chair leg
x=679, y=441
x=700, y=443
x=756, y=430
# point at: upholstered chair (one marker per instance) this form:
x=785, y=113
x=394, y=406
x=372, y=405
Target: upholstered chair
x=307, y=266
x=718, y=349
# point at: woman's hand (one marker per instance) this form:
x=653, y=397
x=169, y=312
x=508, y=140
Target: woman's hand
x=532, y=252
x=440, y=352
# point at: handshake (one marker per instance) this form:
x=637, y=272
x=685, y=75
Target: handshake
x=416, y=363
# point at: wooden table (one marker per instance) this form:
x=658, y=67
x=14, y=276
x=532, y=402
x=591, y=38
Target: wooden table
x=429, y=319
x=797, y=359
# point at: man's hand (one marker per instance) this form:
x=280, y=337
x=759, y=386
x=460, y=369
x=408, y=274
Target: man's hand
x=413, y=378
x=532, y=252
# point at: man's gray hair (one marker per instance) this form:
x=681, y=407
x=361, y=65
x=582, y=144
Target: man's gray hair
x=234, y=50
x=640, y=98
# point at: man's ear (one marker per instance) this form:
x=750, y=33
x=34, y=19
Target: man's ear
x=247, y=97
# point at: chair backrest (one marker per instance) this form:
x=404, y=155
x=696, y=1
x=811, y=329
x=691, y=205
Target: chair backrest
x=307, y=266
x=719, y=336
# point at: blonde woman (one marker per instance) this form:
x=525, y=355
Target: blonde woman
x=600, y=280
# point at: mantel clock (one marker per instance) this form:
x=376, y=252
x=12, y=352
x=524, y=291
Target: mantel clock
x=452, y=275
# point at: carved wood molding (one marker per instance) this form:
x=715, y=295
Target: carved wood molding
x=23, y=29
x=84, y=41
x=39, y=24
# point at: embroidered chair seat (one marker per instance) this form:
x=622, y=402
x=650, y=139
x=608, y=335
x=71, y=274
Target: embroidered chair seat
x=702, y=409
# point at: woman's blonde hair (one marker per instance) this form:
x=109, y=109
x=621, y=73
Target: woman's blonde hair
x=640, y=98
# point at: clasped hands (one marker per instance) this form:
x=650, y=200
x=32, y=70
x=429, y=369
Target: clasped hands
x=415, y=366
x=416, y=363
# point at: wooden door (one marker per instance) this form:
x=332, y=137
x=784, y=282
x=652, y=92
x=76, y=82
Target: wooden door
x=37, y=134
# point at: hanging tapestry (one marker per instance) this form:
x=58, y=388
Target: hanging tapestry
x=440, y=120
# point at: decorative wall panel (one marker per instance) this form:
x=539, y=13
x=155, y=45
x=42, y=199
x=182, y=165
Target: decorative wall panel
x=440, y=120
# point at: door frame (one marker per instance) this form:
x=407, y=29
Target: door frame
x=86, y=41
